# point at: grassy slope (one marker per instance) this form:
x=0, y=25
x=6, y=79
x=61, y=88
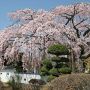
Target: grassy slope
x=70, y=82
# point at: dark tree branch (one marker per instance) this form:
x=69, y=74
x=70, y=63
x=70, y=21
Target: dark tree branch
x=81, y=22
x=70, y=18
x=87, y=31
x=67, y=36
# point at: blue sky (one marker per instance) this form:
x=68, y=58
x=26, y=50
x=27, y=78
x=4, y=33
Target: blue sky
x=7, y=6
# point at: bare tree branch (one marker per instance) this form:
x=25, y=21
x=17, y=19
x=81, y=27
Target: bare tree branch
x=81, y=22
x=87, y=31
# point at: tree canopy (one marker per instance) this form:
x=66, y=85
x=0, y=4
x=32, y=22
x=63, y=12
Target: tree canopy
x=58, y=49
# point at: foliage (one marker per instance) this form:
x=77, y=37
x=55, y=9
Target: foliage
x=65, y=70
x=44, y=71
x=59, y=65
x=52, y=66
x=51, y=77
x=15, y=85
x=53, y=72
x=47, y=63
x=58, y=49
x=19, y=69
x=63, y=24
x=12, y=83
x=60, y=59
x=56, y=59
x=65, y=65
x=18, y=66
x=46, y=66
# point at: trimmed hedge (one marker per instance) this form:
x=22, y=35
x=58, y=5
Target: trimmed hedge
x=59, y=59
x=65, y=70
x=53, y=72
x=51, y=77
x=48, y=64
x=58, y=49
x=44, y=71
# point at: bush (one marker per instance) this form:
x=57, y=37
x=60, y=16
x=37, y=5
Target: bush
x=36, y=81
x=51, y=77
x=44, y=71
x=65, y=70
x=18, y=67
x=60, y=59
x=64, y=59
x=15, y=85
x=53, y=71
x=58, y=49
x=48, y=64
x=56, y=59
x=59, y=65
x=64, y=65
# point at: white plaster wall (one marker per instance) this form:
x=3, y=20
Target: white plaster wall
x=23, y=78
x=6, y=76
